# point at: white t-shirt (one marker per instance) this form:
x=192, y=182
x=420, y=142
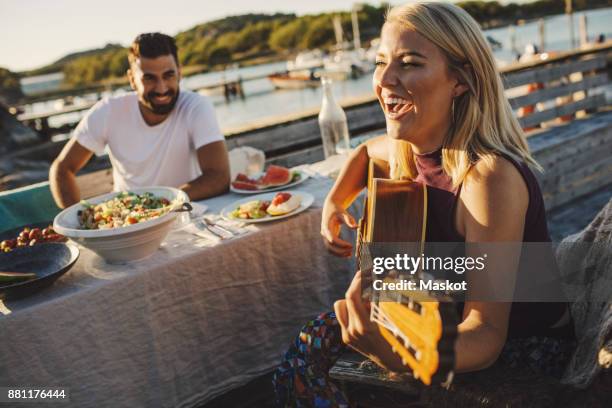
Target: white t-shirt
x=143, y=155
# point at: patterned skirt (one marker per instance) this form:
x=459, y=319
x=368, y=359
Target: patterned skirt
x=302, y=379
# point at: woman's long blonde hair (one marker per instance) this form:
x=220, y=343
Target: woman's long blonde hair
x=483, y=124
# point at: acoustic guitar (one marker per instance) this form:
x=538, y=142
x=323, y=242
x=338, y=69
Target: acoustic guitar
x=421, y=327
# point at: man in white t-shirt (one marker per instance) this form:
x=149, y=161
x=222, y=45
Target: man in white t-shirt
x=155, y=136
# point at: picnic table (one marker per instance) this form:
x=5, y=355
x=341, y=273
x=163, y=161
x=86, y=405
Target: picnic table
x=195, y=320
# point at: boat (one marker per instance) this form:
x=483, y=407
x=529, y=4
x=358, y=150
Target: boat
x=347, y=64
x=306, y=60
x=295, y=80
x=493, y=43
x=211, y=91
x=371, y=52
x=61, y=104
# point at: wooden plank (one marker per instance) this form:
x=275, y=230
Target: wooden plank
x=602, y=49
x=95, y=183
x=575, y=157
x=577, y=152
x=594, y=101
x=547, y=140
x=551, y=73
x=296, y=158
x=352, y=367
x=280, y=139
x=33, y=116
x=598, y=170
x=598, y=177
x=561, y=90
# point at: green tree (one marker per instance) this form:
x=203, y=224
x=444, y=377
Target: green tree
x=289, y=35
x=219, y=55
x=118, y=63
x=253, y=37
x=227, y=40
x=319, y=33
x=10, y=88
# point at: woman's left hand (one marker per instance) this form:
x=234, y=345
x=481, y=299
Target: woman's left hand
x=358, y=332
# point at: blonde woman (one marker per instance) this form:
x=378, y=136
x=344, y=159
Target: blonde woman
x=450, y=126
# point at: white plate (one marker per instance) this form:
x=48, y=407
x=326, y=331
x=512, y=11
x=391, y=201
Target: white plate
x=307, y=200
x=303, y=177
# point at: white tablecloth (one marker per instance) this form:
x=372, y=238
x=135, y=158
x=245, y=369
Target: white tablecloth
x=181, y=327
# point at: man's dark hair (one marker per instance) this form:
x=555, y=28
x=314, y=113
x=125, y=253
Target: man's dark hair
x=152, y=45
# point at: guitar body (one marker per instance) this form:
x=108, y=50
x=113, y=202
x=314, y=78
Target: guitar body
x=420, y=327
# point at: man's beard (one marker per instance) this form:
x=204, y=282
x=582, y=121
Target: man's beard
x=160, y=109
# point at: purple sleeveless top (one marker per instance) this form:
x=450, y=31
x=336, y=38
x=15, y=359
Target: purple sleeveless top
x=526, y=319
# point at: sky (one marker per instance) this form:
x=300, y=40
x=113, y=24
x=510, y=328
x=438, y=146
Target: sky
x=34, y=33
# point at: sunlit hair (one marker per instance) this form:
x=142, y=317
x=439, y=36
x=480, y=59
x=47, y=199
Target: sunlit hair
x=483, y=124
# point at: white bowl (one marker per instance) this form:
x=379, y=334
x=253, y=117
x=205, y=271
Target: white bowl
x=123, y=244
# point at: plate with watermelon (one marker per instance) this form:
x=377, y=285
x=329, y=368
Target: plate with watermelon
x=275, y=178
x=268, y=206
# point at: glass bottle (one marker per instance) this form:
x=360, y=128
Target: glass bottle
x=332, y=122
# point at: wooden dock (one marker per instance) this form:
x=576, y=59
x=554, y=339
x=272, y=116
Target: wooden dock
x=232, y=88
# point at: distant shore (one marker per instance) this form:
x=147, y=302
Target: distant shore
x=189, y=70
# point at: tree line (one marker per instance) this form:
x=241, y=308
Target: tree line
x=244, y=37
x=10, y=90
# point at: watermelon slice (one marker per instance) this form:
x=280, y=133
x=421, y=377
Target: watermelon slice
x=243, y=182
x=240, y=185
x=275, y=176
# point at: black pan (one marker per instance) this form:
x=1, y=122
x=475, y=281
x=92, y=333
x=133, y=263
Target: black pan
x=49, y=261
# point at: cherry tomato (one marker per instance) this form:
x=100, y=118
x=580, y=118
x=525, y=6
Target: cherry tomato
x=54, y=237
x=36, y=233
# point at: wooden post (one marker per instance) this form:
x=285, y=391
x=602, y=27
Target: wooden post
x=570, y=17
x=355, y=19
x=542, y=35
x=582, y=30
x=512, y=35
x=338, y=31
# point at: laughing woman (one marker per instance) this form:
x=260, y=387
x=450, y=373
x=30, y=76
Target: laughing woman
x=450, y=126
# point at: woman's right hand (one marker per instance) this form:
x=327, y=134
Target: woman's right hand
x=333, y=217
